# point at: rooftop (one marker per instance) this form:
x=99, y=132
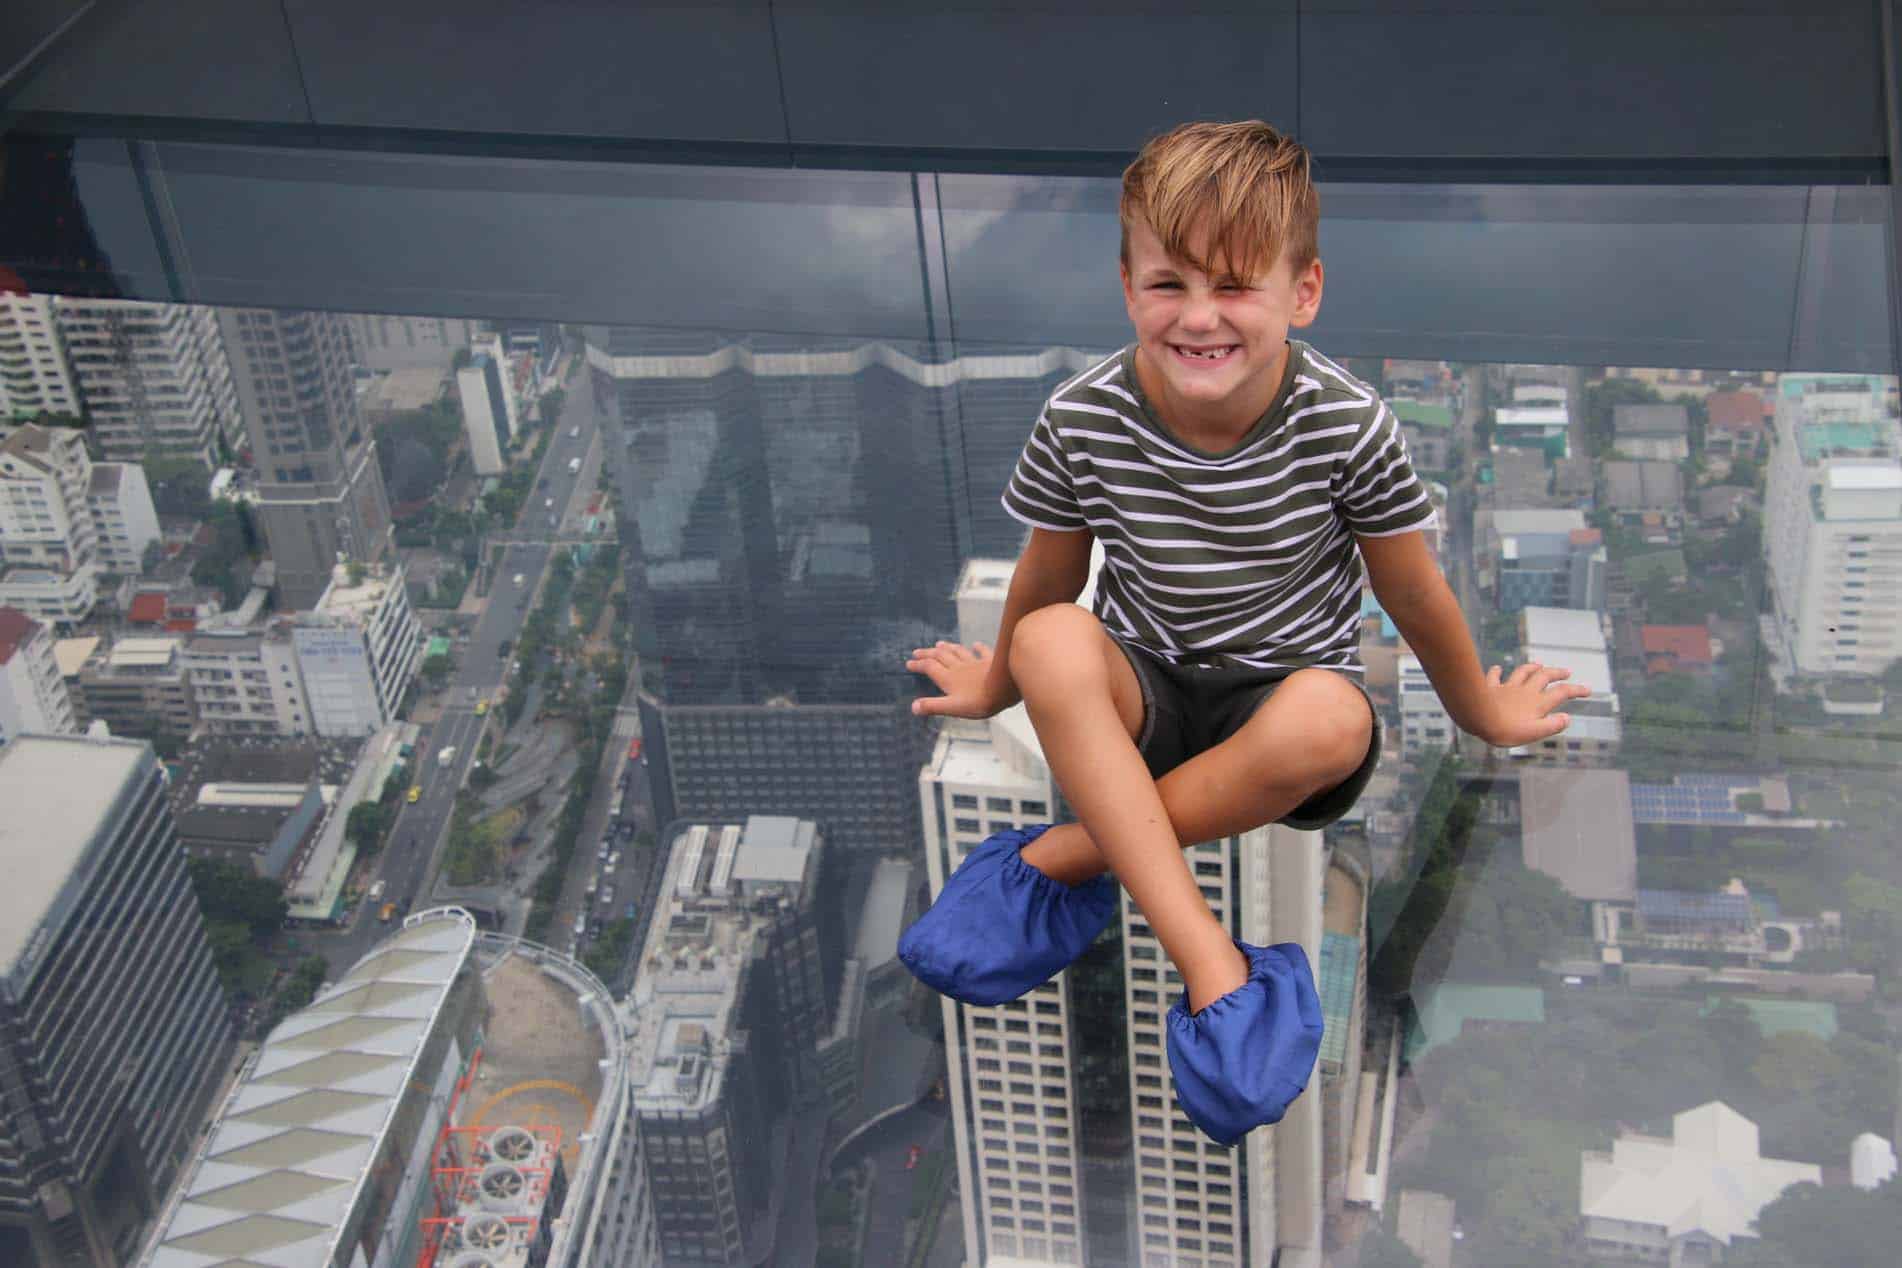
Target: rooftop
x=1637, y=421
x=71, y=654
x=104, y=479
x=1577, y=828
x=1735, y=411
x=1865, y=476
x=1709, y=1177
x=1845, y=437
x=1514, y=522
x=1562, y=627
x=1682, y=644
x=288, y=1152
x=55, y=790
x=16, y=628
x=1643, y=486
x=1445, y=1008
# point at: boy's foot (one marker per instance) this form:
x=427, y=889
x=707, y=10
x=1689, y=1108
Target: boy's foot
x=1241, y=1061
x=1000, y=927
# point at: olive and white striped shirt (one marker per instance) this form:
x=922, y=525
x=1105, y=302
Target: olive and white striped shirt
x=1239, y=558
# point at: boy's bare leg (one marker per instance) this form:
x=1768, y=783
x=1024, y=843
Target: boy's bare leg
x=1307, y=737
x=1059, y=660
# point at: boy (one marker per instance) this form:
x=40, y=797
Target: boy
x=1231, y=476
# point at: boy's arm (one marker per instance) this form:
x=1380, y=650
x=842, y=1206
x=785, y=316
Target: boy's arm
x=1411, y=591
x=1053, y=569
x=976, y=681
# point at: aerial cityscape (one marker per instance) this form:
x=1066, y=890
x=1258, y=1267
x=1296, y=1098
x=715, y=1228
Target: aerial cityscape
x=462, y=801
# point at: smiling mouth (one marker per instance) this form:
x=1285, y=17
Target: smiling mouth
x=1207, y=356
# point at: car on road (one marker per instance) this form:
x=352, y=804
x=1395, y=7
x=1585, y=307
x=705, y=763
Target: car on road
x=574, y=466
x=389, y=910
x=548, y=504
x=634, y=750
x=482, y=707
x=376, y=891
x=607, y=896
x=631, y=909
x=520, y=578
x=581, y=924
x=614, y=860
x=912, y=1156
x=603, y=852
x=575, y=431
x=415, y=794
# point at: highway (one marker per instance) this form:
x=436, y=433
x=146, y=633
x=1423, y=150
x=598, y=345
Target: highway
x=412, y=850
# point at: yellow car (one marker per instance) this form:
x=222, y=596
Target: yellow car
x=415, y=793
x=482, y=707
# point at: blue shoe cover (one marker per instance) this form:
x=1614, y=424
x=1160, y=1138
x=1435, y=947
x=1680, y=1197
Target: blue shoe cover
x=1241, y=1061
x=1001, y=928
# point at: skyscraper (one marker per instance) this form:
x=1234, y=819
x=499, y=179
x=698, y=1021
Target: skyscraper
x=113, y=1027
x=320, y=492
x=153, y=378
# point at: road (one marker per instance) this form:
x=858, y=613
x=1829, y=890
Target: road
x=412, y=857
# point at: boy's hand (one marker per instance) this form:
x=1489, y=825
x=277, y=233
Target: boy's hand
x=1521, y=704
x=962, y=673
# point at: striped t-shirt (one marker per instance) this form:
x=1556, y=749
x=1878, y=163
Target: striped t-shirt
x=1239, y=558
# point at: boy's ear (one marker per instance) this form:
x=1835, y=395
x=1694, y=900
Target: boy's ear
x=1307, y=294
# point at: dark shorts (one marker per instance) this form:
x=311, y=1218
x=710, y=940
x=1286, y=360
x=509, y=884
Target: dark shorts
x=1188, y=710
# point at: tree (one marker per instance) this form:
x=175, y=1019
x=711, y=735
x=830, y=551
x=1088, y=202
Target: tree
x=229, y=893
x=437, y=668
x=367, y=823
x=1809, y=1226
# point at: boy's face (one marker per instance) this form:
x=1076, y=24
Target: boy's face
x=1214, y=340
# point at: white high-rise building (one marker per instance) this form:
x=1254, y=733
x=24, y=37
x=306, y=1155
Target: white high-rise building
x=49, y=551
x=124, y=520
x=1833, y=524
x=358, y=649
x=1013, y=1068
x=489, y=407
x=153, y=378
x=1424, y=725
x=33, y=696
x=34, y=377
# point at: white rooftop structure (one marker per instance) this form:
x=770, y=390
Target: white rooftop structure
x=142, y=653
x=1708, y=1179
x=1871, y=1161
x=1564, y=627
x=1858, y=476
x=294, y=1144
x=1508, y=523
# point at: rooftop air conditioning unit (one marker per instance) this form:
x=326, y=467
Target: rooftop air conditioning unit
x=513, y=1144
x=486, y=1232
x=502, y=1187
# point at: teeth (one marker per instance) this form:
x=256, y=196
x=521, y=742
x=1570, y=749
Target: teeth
x=1215, y=354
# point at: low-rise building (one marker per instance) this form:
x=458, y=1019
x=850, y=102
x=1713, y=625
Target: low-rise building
x=33, y=696
x=1573, y=639
x=357, y=650
x=1736, y=423
x=1658, y=431
x=1676, y=649
x=248, y=682
x=1632, y=488
x=1576, y=826
x=1543, y=557
x=1683, y=1199
x=137, y=687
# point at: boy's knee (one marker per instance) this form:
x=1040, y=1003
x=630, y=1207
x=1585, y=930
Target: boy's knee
x=1053, y=642
x=1338, y=722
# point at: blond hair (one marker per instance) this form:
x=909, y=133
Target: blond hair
x=1247, y=183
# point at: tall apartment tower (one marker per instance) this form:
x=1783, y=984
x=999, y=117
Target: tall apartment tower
x=113, y=1028
x=34, y=376
x=49, y=545
x=153, y=378
x=1833, y=524
x=320, y=492
x=1014, y=1069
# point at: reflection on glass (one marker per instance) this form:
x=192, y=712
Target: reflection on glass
x=592, y=624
